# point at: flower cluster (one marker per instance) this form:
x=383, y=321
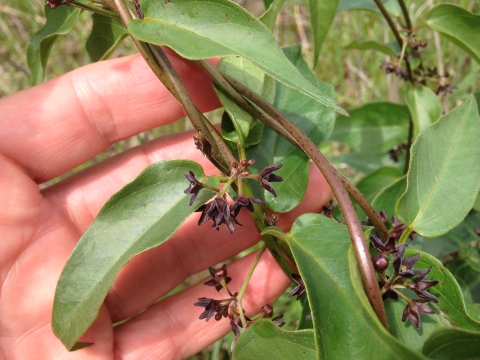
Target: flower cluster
x=404, y=276
x=397, y=227
x=228, y=308
x=218, y=210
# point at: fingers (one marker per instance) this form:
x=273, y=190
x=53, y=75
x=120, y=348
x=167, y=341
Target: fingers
x=171, y=329
x=53, y=127
x=190, y=250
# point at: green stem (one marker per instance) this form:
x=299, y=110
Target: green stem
x=95, y=9
x=406, y=233
x=241, y=293
x=406, y=15
x=397, y=35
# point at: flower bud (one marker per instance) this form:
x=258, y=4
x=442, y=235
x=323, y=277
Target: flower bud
x=380, y=263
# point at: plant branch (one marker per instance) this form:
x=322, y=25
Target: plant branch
x=354, y=228
x=406, y=15
x=245, y=284
x=236, y=88
x=163, y=69
x=95, y=9
x=397, y=35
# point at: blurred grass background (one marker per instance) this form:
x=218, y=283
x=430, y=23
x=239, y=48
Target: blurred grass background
x=356, y=75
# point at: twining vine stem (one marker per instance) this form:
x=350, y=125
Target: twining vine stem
x=163, y=69
x=165, y=72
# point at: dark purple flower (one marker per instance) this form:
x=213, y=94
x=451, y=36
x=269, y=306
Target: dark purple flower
x=267, y=176
x=420, y=285
x=218, y=276
x=194, y=187
x=404, y=266
x=219, y=308
x=385, y=248
x=276, y=320
x=219, y=212
x=328, y=210
x=235, y=323
x=414, y=309
x=245, y=202
x=300, y=288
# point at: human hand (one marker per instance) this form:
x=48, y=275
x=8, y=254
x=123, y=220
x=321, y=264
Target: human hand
x=50, y=129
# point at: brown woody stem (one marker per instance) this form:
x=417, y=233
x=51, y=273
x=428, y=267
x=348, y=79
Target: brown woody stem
x=353, y=225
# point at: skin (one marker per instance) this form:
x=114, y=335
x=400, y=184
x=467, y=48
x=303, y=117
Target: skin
x=50, y=129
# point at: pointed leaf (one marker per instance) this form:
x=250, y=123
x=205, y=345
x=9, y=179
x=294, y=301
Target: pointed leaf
x=255, y=79
x=451, y=343
x=322, y=14
x=424, y=105
x=342, y=316
x=458, y=25
x=376, y=181
x=387, y=198
x=270, y=16
x=372, y=45
x=442, y=183
x=199, y=29
x=264, y=340
x=106, y=35
x=373, y=128
x=142, y=215
x=367, y=162
x=59, y=22
x=314, y=119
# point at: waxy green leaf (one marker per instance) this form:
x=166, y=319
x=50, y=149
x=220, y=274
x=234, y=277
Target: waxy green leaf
x=264, y=340
x=314, y=119
x=200, y=29
x=424, y=105
x=442, y=183
x=372, y=45
x=106, y=35
x=255, y=79
x=374, y=182
x=452, y=343
x=373, y=128
x=366, y=162
x=458, y=25
x=322, y=14
x=59, y=22
x=142, y=215
x=342, y=314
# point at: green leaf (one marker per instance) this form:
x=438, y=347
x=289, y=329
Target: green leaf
x=424, y=105
x=442, y=183
x=374, y=182
x=451, y=343
x=264, y=340
x=199, y=29
x=270, y=16
x=366, y=162
x=106, y=35
x=372, y=45
x=59, y=22
x=373, y=128
x=314, y=119
x=391, y=5
x=322, y=14
x=387, y=198
x=142, y=215
x=458, y=25
x=249, y=75
x=342, y=316
x=371, y=184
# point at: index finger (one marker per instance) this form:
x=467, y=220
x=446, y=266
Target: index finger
x=53, y=127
